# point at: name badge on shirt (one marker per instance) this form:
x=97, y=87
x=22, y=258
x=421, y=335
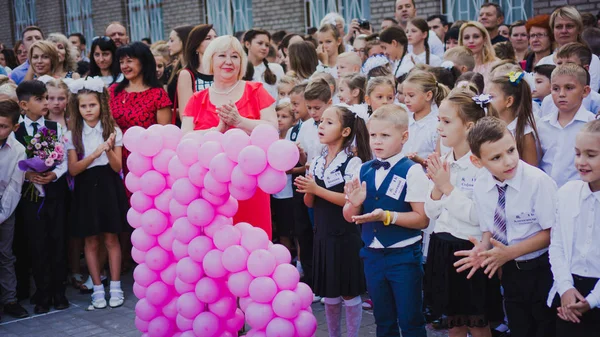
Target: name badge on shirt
x=396, y=187
x=526, y=218
x=466, y=184
x=333, y=179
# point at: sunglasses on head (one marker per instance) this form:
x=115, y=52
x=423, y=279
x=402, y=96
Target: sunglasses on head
x=105, y=38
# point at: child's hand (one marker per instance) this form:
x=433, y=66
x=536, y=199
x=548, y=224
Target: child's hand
x=376, y=215
x=567, y=300
x=439, y=172
x=100, y=149
x=110, y=142
x=355, y=192
x=415, y=157
x=32, y=176
x=303, y=155
x=46, y=178
x=495, y=257
x=471, y=258
x=306, y=184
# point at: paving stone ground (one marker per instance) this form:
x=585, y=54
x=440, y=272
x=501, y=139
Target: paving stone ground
x=76, y=321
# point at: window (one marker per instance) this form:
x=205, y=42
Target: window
x=229, y=16
x=24, y=11
x=146, y=19
x=79, y=18
x=349, y=9
x=469, y=9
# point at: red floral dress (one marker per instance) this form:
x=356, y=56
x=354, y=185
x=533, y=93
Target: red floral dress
x=256, y=210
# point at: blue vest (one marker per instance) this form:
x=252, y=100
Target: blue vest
x=387, y=235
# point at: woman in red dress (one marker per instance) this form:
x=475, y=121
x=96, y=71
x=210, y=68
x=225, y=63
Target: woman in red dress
x=233, y=103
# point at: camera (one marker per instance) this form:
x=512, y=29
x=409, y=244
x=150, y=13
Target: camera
x=364, y=24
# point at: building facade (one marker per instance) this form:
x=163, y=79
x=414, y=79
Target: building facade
x=156, y=18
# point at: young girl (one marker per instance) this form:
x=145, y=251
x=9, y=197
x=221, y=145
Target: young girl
x=285, y=85
x=469, y=304
x=511, y=100
x=338, y=269
x=330, y=46
x=330, y=81
x=352, y=89
x=256, y=45
x=161, y=64
x=417, y=32
x=380, y=91
x=99, y=200
x=395, y=47
x=58, y=96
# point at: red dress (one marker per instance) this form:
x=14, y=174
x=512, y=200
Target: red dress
x=256, y=210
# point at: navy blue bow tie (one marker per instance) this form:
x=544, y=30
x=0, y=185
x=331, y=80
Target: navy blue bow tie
x=377, y=164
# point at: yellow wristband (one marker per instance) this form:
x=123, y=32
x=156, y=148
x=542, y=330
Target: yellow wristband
x=388, y=218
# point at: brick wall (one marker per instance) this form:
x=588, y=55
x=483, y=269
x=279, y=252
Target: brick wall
x=177, y=14
x=107, y=11
x=547, y=6
x=6, y=23
x=50, y=16
x=276, y=15
x=386, y=8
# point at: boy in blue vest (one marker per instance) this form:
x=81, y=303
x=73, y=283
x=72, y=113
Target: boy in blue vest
x=389, y=205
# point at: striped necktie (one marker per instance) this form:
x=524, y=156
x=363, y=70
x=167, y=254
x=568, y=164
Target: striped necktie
x=499, y=231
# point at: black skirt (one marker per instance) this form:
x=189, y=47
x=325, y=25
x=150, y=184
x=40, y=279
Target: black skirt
x=282, y=212
x=466, y=302
x=99, y=203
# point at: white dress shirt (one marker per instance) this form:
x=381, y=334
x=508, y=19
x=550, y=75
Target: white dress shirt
x=594, y=69
x=92, y=138
x=434, y=60
x=260, y=69
x=436, y=46
x=558, y=145
x=529, y=204
x=288, y=191
x=11, y=177
x=591, y=102
x=512, y=127
x=417, y=185
x=455, y=213
x=422, y=134
x=574, y=245
x=308, y=137
x=329, y=173
x=402, y=66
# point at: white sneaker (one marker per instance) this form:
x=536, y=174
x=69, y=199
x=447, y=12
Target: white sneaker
x=322, y=300
x=98, y=300
x=317, y=299
x=300, y=270
x=116, y=298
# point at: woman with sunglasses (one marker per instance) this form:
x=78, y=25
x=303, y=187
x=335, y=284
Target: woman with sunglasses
x=103, y=62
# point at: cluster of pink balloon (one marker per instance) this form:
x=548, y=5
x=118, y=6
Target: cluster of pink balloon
x=198, y=274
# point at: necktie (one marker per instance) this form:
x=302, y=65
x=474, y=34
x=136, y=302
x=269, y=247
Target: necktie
x=35, y=127
x=499, y=231
x=377, y=164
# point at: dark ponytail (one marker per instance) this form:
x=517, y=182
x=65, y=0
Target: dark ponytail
x=422, y=25
x=269, y=77
x=358, y=131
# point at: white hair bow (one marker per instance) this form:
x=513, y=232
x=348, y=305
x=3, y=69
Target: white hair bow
x=483, y=100
x=91, y=83
x=45, y=79
x=359, y=110
x=447, y=64
x=285, y=100
x=374, y=62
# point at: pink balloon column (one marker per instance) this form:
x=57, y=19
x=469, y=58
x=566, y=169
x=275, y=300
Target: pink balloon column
x=198, y=273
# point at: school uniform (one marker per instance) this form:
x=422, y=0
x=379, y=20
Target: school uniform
x=308, y=137
x=99, y=201
x=434, y=60
x=591, y=102
x=575, y=255
x=392, y=254
x=594, y=69
x=41, y=226
x=513, y=211
x=422, y=134
x=282, y=205
x=558, y=145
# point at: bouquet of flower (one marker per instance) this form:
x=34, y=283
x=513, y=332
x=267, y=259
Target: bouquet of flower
x=44, y=152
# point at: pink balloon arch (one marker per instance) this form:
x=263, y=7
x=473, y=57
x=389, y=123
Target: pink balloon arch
x=198, y=273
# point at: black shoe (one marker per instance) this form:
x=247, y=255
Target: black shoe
x=15, y=310
x=41, y=308
x=60, y=302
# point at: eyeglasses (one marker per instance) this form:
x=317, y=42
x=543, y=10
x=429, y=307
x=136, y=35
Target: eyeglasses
x=537, y=36
x=104, y=38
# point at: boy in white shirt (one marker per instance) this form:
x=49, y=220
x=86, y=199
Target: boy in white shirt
x=317, y=96
x=515, y=205
x=557, y=130
x=574, y=253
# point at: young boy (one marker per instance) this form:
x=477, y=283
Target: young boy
x=462, y=57
x=317, y=97
x=573, y=250
x=348, y=63
x=558, y=129
x=515, y=204
x=389, y=204
x=11, y=181
x=41, y=218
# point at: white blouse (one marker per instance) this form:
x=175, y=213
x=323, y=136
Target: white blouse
x=91, y=139
x=330, y=174
x=260, y=69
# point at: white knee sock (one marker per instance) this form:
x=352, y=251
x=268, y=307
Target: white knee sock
x=333, y=314
x=353, y=315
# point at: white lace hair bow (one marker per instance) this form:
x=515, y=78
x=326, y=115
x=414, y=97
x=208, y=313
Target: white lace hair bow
x=91, y=83
x=447, y=64
x=483, y=100
x=45, y=79
x=374, y=62
x=285, y=100
x=358, y=110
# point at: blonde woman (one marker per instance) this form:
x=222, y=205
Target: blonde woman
x=67, y=56
x=474, y=36
x=43, y=59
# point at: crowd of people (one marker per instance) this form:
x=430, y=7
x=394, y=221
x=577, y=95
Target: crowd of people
x=448, y=172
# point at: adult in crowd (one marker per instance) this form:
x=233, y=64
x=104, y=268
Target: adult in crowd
x=78, y=40
x=43, y=59
x=29, y=36
x=302, y=60
x=8, y=60
x=566, y=26
x=177, y=39
x=104, y=62
x=438, y=24
x=541, y=40
x=387, y=23
x=491, y=17
x=475, y=36
x=405, y=11
x=20, y=51
x=256, y=46
x=194, y=76
x=117, y=32
x=519, y=38
x=591, y=36
x=67, y=56
x=233, y=103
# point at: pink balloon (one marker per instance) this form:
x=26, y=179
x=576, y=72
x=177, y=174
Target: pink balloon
x=196, y=173
x=134, y=218
x=258, y=315
x=229, y=208
x=227, y=237
x=224, y=307
x=243, y=181
x=138, y=164
x=286, y=276
x=158, y=294
x=287, y=304
x=169, y=274
x=150, y=143
x=176, y=209
x=264, y=135
x=184, y=323
x=141, y=202
x=139, y=291
x=180, y=250
x=217, y=224
x=137, y=255
x=235, y=258
x=208, y=151
x=252, y=160
x=154, y=222
x=184, y=231
x=142, y=240
x=170, y=309
x=132, y=182
x=213, y=199
x=160, y=162
x=131, y=137
x=262, y=289
x=170, y=181
x=177, y=169
x=272, y=181
x=200, y=213
x=198, y=248
x=141, y=324
x=221, y=167
x=161, y=202
x=255, y=238
x=234, y=140
x=283, y=155
x=244, y=226
x=145, y=311
x=280, y=327
x=153, y=183
x=213, y=136
x=189, y=271
x=189, y=306
x=239, y=283
x=240, y=195
x=187, y=151
x=207, y=324
x=171, y=136
x=207, y=290
x=213, y=186
x=165, y=240
x=157, y=259
x=184, y=191
x=281, y=253
x=198, y=137
x=305, y=324
x=213, y=267
x=182, y=287
x=305, y=294
x=255, y=333
x=244, y=302
x=261, y=263
x=236, y=322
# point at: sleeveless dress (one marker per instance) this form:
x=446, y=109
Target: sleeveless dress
x=256, y=210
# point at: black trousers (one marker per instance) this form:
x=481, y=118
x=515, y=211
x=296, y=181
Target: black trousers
x=526, y=288
x=305, y=235
x=590, y=321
